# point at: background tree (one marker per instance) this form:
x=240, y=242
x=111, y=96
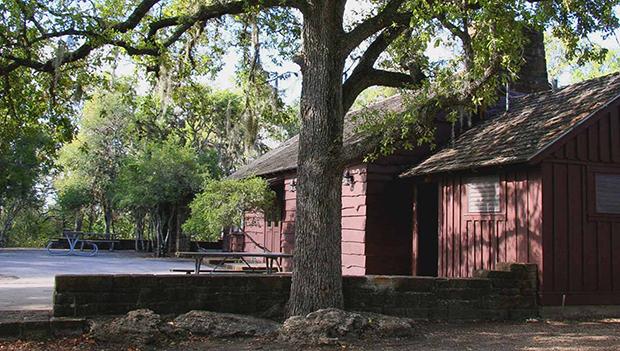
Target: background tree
x=101, y=144
x=161, y=179
x=575, y=70
x=386, y=43
x=30, y=215
x=222, y=204
x=75, y=197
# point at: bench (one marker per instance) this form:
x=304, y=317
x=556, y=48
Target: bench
x=63, y=241
x=191, y=271
x=270, y=258
x=186, y=271
x=99, y=241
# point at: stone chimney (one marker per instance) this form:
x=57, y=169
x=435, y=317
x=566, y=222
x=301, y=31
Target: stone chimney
x=533, y=74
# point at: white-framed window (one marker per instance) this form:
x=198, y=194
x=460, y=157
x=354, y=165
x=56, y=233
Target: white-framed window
x=607, y=193
x=483, y=194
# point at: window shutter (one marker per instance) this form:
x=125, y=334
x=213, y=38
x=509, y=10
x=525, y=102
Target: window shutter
x=607, y=193
x=483, y=194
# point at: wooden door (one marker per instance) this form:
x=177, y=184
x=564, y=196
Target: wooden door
x=272, y=236
x=427, y=224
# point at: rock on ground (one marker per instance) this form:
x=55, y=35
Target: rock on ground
x=139, y=327
x=333, y=326
x=222, y=325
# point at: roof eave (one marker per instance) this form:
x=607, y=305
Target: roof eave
x=547, y=148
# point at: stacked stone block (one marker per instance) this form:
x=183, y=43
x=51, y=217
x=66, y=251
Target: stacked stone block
x=510, y=293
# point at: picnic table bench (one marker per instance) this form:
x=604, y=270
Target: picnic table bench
x=271, y=258
x=82, y=238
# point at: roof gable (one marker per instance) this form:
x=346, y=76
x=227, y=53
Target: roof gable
x=533, y=124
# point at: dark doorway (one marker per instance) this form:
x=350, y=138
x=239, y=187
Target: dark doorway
x=427, y=217
x=273, y=221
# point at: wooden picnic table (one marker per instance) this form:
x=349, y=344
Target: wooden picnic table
x=270, y=258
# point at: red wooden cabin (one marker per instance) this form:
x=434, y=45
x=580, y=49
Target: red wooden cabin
x=377, y=216
x=539, y=183
x=376, y=203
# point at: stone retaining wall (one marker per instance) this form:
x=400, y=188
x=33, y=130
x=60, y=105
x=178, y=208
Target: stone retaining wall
x=492, y=295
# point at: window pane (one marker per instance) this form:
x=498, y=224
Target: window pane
x=608, y=193
x=483, y=194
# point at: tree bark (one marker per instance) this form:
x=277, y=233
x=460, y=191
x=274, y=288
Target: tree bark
x=317, y=273
x=91, y=218
x=10, y=214
x=107, y=214
x=139, y=230
x=79, y=220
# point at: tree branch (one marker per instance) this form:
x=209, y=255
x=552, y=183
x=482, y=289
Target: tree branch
x=96, y=40
x=136, y=16
x=463, y=97
x=388, y=16
x=376, y=77
x=81, y=52
x=207, y=12
x=365, y=75
x=463, y=35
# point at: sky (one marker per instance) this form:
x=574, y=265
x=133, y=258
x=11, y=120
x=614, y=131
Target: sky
x=290, y=88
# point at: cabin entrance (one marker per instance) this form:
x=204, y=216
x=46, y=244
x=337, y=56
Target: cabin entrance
x=427, y=220
x=273, y=222
x=272, y=236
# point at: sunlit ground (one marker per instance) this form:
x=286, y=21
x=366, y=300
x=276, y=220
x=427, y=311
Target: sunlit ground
x=27, y=275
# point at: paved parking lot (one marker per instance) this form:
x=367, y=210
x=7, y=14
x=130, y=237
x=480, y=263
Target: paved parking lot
x=27, y=275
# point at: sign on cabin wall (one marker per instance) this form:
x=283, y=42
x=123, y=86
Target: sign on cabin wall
x=607, y=193
x=483, y=194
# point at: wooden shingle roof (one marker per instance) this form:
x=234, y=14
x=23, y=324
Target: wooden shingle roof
x=533, y=123
x=284, y=157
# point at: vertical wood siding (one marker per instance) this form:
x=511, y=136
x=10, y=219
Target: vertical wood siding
x=472, y=241
x=581, y=248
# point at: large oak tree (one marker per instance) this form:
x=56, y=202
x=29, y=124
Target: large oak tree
x=343, y=52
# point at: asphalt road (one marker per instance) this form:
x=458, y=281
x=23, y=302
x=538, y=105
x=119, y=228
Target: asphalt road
x=27, y=275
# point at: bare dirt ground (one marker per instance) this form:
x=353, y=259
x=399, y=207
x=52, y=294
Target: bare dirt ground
x=539, y=335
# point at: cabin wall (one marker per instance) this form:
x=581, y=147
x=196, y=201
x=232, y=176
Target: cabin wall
x=288, y=220
x=274, y=236
x=254, y=228
x=473, y=241
x=581, y=247
x=353, y=223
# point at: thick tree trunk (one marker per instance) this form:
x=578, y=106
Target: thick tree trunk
x=317, y=273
